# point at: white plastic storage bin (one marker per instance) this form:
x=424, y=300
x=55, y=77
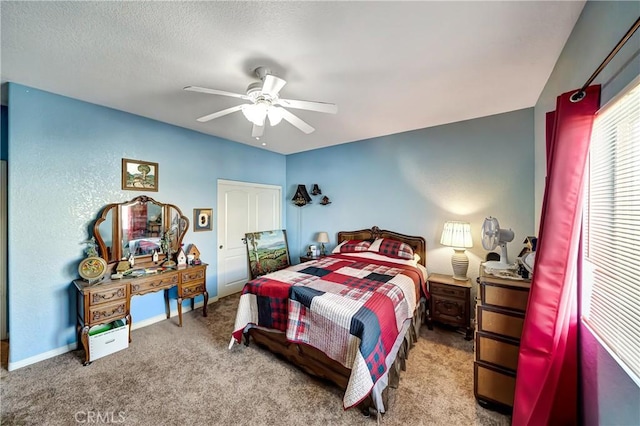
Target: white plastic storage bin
x=110, y=341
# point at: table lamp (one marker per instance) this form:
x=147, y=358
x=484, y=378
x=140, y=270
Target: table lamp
x=322, y=238
x=458, y=235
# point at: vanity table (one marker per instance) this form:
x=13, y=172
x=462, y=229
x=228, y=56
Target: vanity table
x=142, y=227
x=110, y=300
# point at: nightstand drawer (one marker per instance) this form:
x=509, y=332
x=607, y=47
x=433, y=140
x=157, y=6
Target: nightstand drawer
x=446, y=290
x=449, y=310
x=192, y=290
x=108, y=295
x=147, y=285
x=107, y=312
x=189, y=276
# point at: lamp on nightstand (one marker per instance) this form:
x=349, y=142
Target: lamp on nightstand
x=322, y=238
x=458, y=235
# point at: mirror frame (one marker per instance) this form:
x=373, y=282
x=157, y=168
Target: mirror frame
x=116, y=231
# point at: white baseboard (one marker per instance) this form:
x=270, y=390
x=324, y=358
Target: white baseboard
x=41, y=357
x=73, y=346
x=174, y=313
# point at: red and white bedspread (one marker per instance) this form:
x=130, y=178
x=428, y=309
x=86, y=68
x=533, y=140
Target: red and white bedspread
x=355, y=308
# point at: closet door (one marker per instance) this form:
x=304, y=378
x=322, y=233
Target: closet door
x=242, y=207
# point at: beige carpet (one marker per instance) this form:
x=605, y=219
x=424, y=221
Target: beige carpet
x=187, y=376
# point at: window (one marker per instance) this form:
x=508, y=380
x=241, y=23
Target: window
x=611, y=229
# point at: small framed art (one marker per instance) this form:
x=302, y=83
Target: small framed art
x=139, y=175
x=202, y=220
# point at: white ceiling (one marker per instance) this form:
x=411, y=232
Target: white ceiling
x=389, y=66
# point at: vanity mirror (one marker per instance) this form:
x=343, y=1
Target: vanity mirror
x=137, y=227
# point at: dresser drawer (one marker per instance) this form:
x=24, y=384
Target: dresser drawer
x=108, y=295
x=504, y=323
x=494, y=385
x=192, y=290
x=147, y=285
x=107, y=312
x=189, y=276
x=504, y=297
x=496, y=350
x=445, y=290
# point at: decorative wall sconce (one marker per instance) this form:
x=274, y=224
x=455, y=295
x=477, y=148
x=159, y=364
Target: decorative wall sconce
x=301, y=197
x=316, y=190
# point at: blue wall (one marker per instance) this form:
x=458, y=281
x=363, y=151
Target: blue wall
x=609, y=395
x=3, y=132
x=64, y=160
x=415, y=181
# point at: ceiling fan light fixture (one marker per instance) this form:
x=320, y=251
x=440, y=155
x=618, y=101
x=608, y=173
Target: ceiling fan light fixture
x=265, y=101
x=275, y=115
x=256, y=113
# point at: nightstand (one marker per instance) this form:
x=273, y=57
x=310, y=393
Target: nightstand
x=308, y=258
x=450, y=303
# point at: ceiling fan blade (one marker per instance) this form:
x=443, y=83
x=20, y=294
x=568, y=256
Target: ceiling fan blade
x=215, y=92
x=220, y=113
x=297, y=122
x=272, y=84
x=309, y=105
x=257, y=131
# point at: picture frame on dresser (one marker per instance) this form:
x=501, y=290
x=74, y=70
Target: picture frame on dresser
x=139, y=175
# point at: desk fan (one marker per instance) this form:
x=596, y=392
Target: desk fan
x=494, y=236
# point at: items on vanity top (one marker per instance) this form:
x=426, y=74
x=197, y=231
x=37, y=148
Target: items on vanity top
x=105, y=302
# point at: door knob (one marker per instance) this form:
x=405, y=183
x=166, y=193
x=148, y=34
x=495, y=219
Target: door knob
x=220, y=245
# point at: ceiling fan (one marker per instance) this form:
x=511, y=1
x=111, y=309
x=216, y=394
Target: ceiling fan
x=266, y=103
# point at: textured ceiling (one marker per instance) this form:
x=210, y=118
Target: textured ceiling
x=389, y=66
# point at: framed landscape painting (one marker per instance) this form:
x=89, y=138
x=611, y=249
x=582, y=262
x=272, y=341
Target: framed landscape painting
x=139, y=175
x=268, y=251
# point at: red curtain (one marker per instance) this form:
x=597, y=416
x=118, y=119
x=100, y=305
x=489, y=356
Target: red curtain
x=547, y=380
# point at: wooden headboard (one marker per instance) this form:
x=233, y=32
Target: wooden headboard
x=418, y=244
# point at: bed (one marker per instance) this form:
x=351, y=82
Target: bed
x=349, y=317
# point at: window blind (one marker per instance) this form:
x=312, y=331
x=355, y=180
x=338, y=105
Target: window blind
x=611, y=229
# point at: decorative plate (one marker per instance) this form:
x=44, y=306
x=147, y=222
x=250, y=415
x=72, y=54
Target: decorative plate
x=92, y=269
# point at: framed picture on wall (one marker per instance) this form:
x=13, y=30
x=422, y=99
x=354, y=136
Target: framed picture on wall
x=139, y=175
x=202, y=220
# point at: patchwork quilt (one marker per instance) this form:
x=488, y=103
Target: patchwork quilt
x=354, y=310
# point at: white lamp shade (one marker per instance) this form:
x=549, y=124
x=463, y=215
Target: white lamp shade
x=275, y=115
x=255, y=113
x=322, y=237
x=456, y=234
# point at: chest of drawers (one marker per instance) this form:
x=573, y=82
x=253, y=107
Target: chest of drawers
x=499, y=320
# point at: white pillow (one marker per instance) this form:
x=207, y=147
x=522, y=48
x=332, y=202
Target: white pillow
x=337, y=249
x=375, y=246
